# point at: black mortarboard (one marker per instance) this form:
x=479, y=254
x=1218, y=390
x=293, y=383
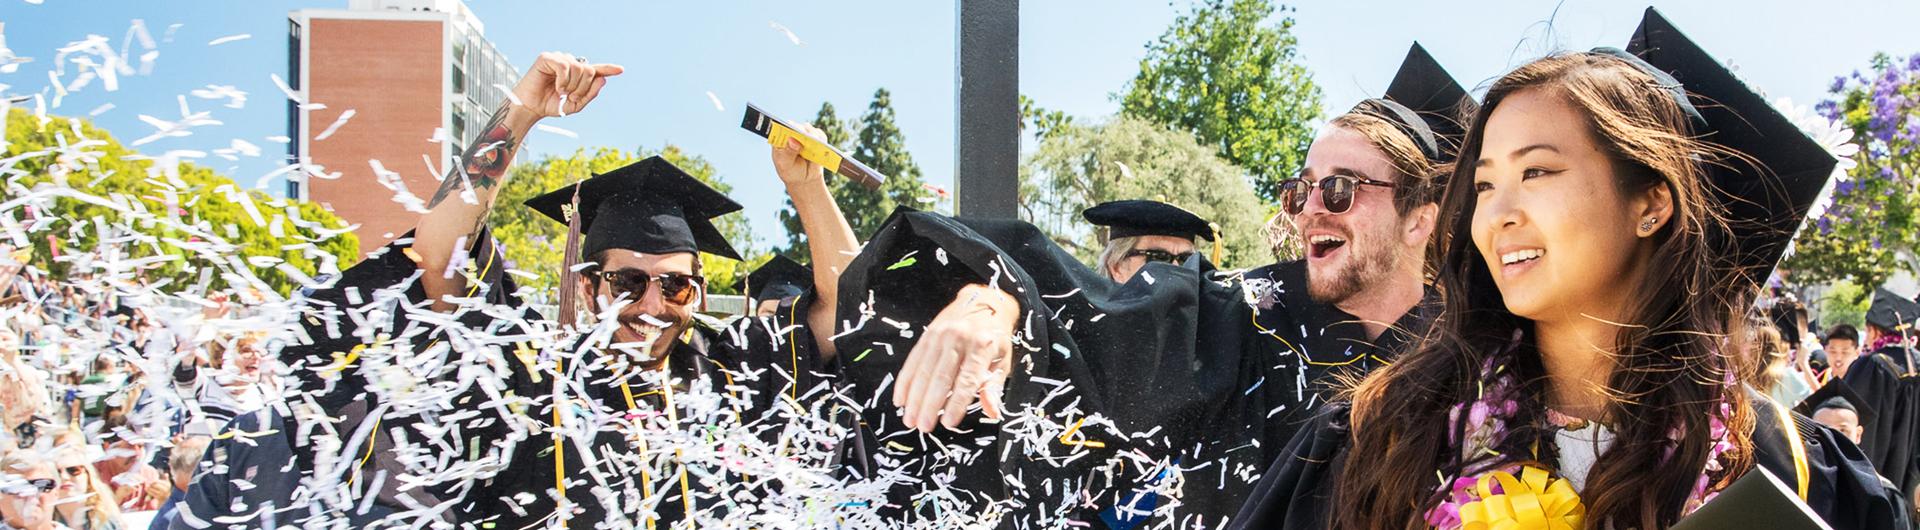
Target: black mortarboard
x=649, y=206
x=777, y=279
x=1836, y=391
x=1764, y=205
x=1147, y=218
x=1425, y=102
x=1892, y=312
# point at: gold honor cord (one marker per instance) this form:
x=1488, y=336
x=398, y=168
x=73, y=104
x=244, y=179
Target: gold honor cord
x=778, y=132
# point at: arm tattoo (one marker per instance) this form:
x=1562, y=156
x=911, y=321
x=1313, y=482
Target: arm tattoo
x=484, y=162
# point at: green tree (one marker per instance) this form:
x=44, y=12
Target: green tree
x=1872, y=228
x=200, y=226
x=883, y=147
x=1844, y=303
x=1041, y=120
x=878, y=142
x=835, y=130
x=1236, y=82
x=1130, y=158
x=536, y=246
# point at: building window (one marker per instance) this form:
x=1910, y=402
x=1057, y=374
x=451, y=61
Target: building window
x=459, y=64
x=459, y=126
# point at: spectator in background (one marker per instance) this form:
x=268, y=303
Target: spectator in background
x=27, y=481
x=1843, y=347
x=1773, y=373
x=137, y=485
x=23, y=393
x=1837, y=406
x=1890, y=322
x=101, y=385
x=1840, y=414
x=242, y=384
x=84, y=501
x=182, y=462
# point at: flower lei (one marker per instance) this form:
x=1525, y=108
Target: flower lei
x=1526, y=495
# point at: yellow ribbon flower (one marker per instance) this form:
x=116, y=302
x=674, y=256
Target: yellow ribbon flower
x=1531, y=502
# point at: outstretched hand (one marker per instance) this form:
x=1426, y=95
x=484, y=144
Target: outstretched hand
x=559, y=84
x=965, y=354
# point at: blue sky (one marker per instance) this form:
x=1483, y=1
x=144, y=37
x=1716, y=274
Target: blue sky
x=1074, y=56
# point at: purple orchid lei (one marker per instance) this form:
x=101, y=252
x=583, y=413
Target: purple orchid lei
x=1486, y=425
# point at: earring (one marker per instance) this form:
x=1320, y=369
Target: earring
x=1647, y=225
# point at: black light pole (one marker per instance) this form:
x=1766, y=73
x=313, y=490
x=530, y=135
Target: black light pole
x=987, y=168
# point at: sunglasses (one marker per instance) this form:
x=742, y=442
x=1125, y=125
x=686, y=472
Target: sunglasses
x=1336, y=192
x=675, y=288
x=32, y=487
x=1160, y=256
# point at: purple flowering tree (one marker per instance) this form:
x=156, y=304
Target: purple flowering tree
x=1869, y=230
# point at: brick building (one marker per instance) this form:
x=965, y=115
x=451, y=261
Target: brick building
x=412, y=72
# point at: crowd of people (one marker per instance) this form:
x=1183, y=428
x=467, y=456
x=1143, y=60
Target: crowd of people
x=1542, y=307
x=108, y=408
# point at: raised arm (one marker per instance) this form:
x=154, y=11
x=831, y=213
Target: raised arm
x=557, y=84
x=830, y=238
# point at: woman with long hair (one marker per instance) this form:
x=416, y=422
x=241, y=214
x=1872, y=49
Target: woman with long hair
x=85, y=502
x=1581, y=363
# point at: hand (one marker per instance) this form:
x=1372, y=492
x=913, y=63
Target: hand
x=160, y=487
x=559, y=84
x=965, y=353
x=788, y=163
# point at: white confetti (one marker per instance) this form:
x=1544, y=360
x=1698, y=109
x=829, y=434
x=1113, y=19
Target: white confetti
x=795, y=39
x=229, y=38
x=555, y=130
x=337, y=122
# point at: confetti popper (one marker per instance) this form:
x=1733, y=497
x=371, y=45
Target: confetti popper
x=778, y=133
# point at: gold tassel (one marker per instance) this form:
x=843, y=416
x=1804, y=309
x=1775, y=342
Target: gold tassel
x=1216, y=242
x=569, y=283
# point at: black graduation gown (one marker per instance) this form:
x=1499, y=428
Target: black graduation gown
x=497, y=420
x=1179, y=367
x=250, y=478
x=1842, y=486
x=1882, y=381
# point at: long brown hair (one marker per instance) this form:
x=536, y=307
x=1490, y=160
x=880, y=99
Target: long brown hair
x=1670, y=374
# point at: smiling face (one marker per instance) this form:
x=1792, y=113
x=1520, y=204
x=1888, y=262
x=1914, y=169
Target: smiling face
x=651, y=317
x=1363, y=246
x=1558, y=235
x=247, y=356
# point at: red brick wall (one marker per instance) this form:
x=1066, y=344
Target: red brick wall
x=390, y=74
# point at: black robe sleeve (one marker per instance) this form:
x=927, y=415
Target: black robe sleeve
x=1889, y=439
x=1297, y=491
x=1139, y=369
x=775, y=358
x=1842, y=485
x=479, y=356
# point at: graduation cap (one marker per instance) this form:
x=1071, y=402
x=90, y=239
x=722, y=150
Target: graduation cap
x=1130, y=218
x=1425, y=102
x=777, y=279
x=1765, y=199
x=1134, y=217
x=1837, y=393
x=650, y=206
x=1892, y=312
